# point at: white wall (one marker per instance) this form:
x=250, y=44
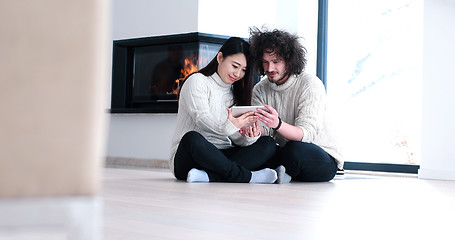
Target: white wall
x=145, y=136
x=438, y=104
x=145, y=18
x=148, y=136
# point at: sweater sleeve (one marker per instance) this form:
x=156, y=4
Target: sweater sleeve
x=243, y=141
x=310, y=110
x=194, y=96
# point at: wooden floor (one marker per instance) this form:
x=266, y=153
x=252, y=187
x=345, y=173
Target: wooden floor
x=151, y=204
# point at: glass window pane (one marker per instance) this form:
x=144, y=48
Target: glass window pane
x=374, y=75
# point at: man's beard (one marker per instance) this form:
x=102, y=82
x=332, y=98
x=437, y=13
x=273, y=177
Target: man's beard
x=285, y=75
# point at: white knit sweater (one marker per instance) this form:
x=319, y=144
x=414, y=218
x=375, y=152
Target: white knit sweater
x=202, y=108
x=300, y=101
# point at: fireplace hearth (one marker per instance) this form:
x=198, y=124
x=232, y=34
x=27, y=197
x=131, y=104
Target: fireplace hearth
x=147, y=72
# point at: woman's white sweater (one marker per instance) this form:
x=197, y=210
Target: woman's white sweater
x=202, y=108
x=301, y=101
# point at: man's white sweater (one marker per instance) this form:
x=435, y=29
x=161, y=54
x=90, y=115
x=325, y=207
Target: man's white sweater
x=300, y=101
x=203, y=104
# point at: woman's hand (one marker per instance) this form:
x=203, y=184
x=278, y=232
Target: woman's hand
x=243, y=119
x=270, y=118
x=251, y=131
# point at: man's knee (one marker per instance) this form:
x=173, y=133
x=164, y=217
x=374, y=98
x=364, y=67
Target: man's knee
x=298, y=144
x=304, y=149
x=295, y=148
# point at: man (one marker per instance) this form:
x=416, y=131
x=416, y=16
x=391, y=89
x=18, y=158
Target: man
x=297, y=109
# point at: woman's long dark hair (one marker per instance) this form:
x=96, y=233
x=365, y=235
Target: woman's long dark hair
x=242, y=88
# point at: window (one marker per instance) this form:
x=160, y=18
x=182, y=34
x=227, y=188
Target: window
x=374, y=76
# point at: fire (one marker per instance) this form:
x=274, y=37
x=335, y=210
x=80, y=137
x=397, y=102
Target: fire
x=190, y=66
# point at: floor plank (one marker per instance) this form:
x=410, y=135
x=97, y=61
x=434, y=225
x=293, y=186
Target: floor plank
x=151, y=204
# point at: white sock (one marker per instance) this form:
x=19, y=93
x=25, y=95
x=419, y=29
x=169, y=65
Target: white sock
x=265, y=175
x=196, y=175
x=283, y=177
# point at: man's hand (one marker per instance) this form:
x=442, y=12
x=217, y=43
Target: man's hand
x=270, y=118
x=243, y=119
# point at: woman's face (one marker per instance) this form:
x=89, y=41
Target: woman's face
x=231, y=68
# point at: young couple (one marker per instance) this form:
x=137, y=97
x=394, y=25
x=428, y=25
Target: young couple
x=211, y=145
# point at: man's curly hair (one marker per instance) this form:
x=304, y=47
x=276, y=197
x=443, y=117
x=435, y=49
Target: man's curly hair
x=284, y=44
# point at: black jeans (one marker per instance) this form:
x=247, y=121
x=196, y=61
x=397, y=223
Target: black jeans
x=305, y=162
x=222, y=165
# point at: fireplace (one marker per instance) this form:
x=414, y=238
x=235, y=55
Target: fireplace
x=147, y=72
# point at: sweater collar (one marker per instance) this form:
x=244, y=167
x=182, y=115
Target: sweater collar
x=285, y=85
x=220, y=82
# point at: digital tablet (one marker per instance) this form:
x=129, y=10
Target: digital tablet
x=239, y=110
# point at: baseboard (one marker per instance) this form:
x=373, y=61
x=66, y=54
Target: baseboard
x=436, y=174
x=120, y=162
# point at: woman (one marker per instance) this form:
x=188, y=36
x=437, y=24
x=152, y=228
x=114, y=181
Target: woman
x=209, y=144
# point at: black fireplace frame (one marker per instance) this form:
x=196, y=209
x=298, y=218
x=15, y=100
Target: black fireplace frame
x=122, y=70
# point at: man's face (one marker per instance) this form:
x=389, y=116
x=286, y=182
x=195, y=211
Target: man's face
x=275, y=68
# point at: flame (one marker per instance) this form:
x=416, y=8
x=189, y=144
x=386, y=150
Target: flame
x=190, y=66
